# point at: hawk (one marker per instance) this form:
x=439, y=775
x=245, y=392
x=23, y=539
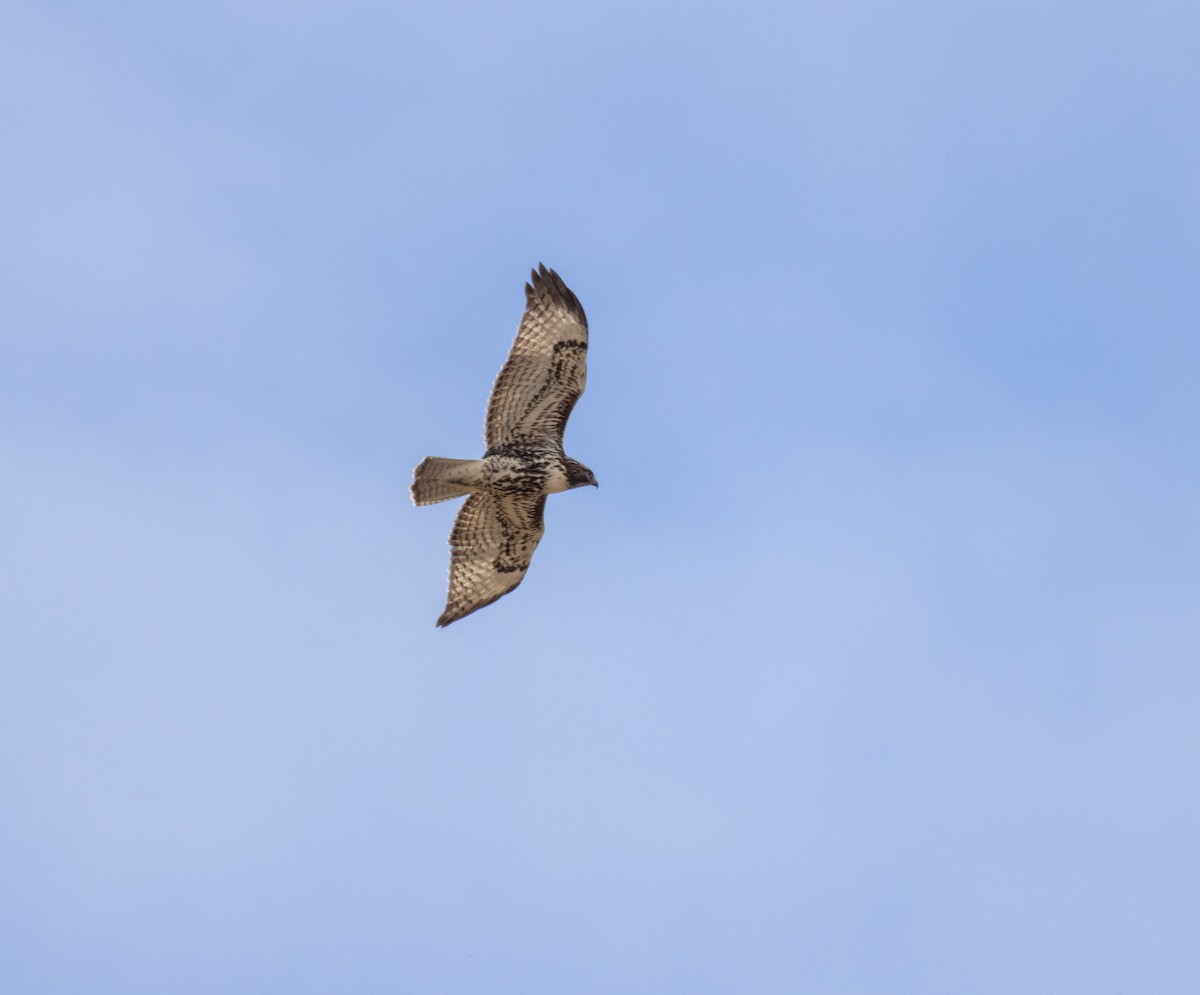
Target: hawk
x=500, y=525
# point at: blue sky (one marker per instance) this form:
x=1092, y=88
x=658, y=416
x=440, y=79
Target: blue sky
x=872, y=664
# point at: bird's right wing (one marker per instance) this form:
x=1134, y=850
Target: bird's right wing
x=546, y=369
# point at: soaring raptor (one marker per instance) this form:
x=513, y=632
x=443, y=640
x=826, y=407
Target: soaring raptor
x=500, y=524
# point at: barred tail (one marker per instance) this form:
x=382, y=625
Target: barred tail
x=439, y=479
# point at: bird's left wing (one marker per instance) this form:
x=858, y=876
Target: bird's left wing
x=546, y=369
x=491, y=545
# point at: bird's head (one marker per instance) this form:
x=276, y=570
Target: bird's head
x=579, y=475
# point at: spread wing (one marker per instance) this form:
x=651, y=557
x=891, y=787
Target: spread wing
x=546, y=368
x=491, y=545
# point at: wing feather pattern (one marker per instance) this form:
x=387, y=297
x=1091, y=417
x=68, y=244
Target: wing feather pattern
x=546, y=369
x=491, y=545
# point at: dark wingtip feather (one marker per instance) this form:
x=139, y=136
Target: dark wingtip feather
x=548, y=281
x=449, y=616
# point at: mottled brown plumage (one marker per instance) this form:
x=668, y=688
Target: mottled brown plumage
x=500, y=524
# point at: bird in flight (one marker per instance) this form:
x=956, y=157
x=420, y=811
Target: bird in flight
x=500, y=525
